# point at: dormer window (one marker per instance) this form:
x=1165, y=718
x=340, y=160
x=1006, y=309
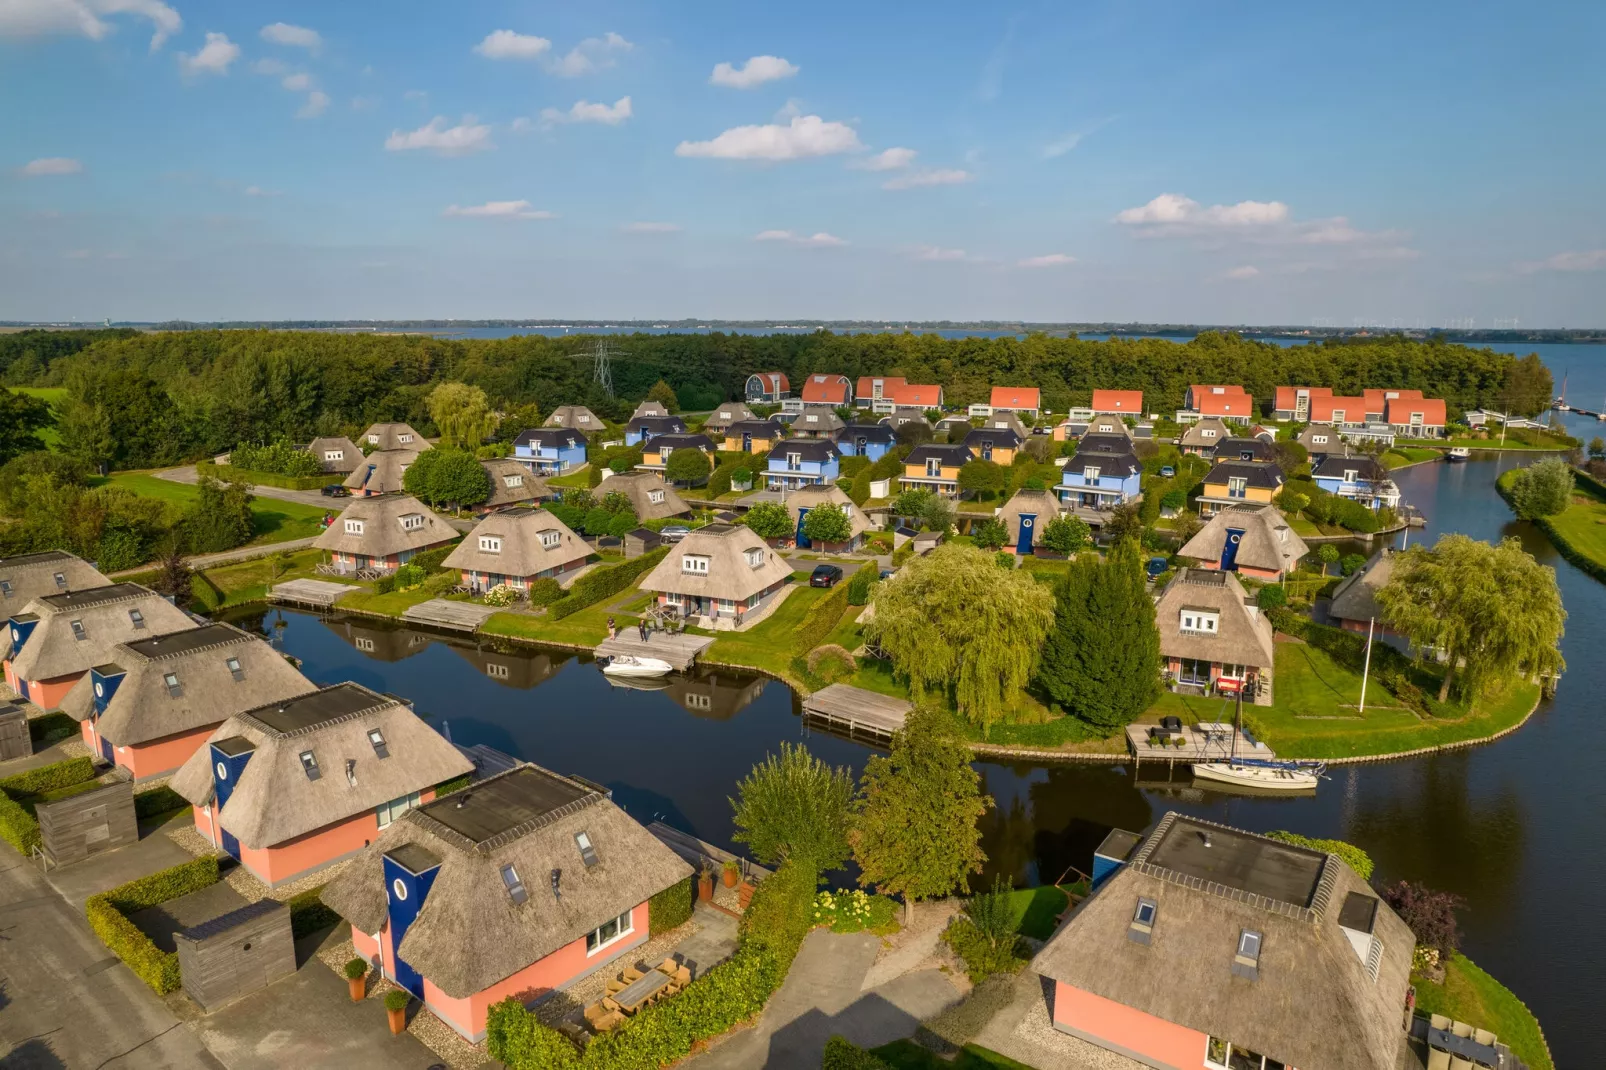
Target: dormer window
x=1195, y=620
x=515, y=887
x=412, y=521
x=550, y=538
x=588, y=853
x=491, y=544
x=1237, y=487
x=513, y=481
x=78, y=630
x=235, y=669
x=334, y=455
x=1351, y=475
x=755, y=558
x=1319, y=440
x=137, y=619
x=1246, y=962
x=377, y=739
x=1141, y=927
x=404, y=438
x=694, y=563
x=656, y=497
x=174, y=688
x=1207, y=432
x=354, y=527
x=373, y=440
x=309, y=765
x=61, y=580
x=811, y=418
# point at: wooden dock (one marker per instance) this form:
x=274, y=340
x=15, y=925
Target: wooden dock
x=443, y=613
x=320, y=593
x=857, y=711
x=1196, y=747
x=680, y=649
x=697, y=852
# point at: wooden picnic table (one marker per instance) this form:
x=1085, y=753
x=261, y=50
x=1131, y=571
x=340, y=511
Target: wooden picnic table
x=1466, y=1047
x=632, y=996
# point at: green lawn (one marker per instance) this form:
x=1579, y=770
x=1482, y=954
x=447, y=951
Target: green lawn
x=391, y=605
x=848, y=634
x=588, y=627
x=1472, y=996
x=581, y=479
x=907, y=1055
x=53, y=396
x=768, y=645
x=274, y=520
x=1036, y=908
x=247, y=581
x=1400, y=456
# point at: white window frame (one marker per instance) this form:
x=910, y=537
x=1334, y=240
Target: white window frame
x=412, y=521
x=934, y=467
x=696, y=564
x=1194, y=620
x=354, y=527
x=497, y=671
x=755, y=558
x=550, y=538
x=1237, y=487
x=404, y=438
x=1207, y=432
x=1090, y=474
x=655, y=497
x=513, y=481
x=625, y=925
x=334, y=455
x=387, y=812
x=491, y=544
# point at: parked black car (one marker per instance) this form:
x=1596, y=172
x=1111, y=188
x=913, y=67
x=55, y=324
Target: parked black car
x=825, y=576
x=335, y=490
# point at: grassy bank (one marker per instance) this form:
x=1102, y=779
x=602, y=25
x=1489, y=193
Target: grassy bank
x=1404, y=456
x=1470, y=995
x=1579, y=531
x=271, y=520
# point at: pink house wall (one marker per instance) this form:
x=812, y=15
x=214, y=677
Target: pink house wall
x=1128, y=1030
x=160, y=756
x=290, y=859
x=46, y=694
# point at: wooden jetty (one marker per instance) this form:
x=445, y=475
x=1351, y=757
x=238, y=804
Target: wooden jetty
x=697, y=852
x=679, y=649
x=1197, y=746
x=857, y=711
x=321, y=593
x=443, y=613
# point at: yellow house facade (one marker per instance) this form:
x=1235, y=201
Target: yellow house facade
x=935, y=468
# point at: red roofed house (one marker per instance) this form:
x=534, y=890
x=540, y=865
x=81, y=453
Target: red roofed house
x=827, y=390
x=1340, y=412
x=1016, y=399
x=767, y=388
x=1293, y=402
x=913, y=395
x=1415, y=417
x=1228, y=402
x=1117, y=402
x=874, y=388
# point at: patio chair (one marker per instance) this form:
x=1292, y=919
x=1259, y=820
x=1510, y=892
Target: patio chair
x=1461, y=1029
x=1483, y=1036
x=611, y=1004
x=611, y=1020
x=1438, y=1060
x=1458, y=1063
x=668, y=966
x=682, y=976
x=615, y=985
x=594, y=1012
x=1439, y=1021
x=632, y=975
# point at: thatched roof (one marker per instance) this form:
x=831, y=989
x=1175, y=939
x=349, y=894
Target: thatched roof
x=1195, y=434
x=650, y=496
x=518, y=542
x=381, y=639
x=1243, y=635
x=907, y=414
x=275, y=800
x=1267, y=543
x=25, y=577
x=382, y=526
x=471, y=933
x=729, y=413
x=1039, y=503
x=512, y=483
x=729, y=574
x=381, y=472
x=1356, y=597
x=1108, y=425
x=107, y=615
x=144, y=706
x=650, y=408
x=323, y=451
x=809, y=497
x=817, y=420
x=1309, y=1000
x=395, y=437
x=576, y=416
x=1002, y=419
x=1332, y=441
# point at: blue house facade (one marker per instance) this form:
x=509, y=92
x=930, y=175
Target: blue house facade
x=1359, y=478
x=550, y=450
x=802, y=462
x=645, y=428
x=1103, y=473
x=866, y=440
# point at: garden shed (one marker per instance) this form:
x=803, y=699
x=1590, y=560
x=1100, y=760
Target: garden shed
x=236, y=953
x=642, y=541
x=14, y=739
x=74, y=828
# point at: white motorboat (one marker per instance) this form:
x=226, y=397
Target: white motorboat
x=639, y=683
x=1261, y=775
x=632, y=666
x=1459, y=453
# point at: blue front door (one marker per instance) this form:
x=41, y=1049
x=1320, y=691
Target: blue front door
x=230, y=844
x=747, y=442
x=1229, y=550
x=1023, y=544
x=106, y=750
x=802, y=539
x=405, y=892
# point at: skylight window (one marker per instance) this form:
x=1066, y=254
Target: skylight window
x=377, y=738
x=5, y=588
x=174, y=688
x=515, y=887
x=137, y=619
x=351, y=771
x=78, y=630
x=588, y=853
x=61, y=580
x=1246, y=963
x=1143, y=915
x=235, y=669
x=309, y=765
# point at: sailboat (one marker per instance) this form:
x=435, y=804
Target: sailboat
x=1259, y=774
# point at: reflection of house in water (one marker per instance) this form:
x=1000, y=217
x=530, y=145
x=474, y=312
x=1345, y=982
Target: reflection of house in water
x=713, y=695
x=379, y=642
x=517, y=669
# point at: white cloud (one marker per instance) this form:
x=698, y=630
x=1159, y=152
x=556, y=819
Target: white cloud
x=1062, y=146
x=584, y=111
x=818, y=239
x=282, y=33
x=804, y=136
x=507, y=44
x=1173, y=208
x=497, y=210
x=50, y=165
x=1586, y=260
x=317, y=101
x=929, y=177
x=435, y=136
x=28, y=18
x=893, y=159
x=269, y=66
x=416, y=94
x=297, y=83
x=592, y=54
x=213, y=58
x=258, y=191
x=933, y=252
x=650, y=228
x=756, y=71
x=1247, y=271
x=1046, y=260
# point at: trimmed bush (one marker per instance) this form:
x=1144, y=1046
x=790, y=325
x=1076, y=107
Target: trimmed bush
x=385, y=585
x=544, y=591
x=17, y=826
x=859, y=585
x=108, y=916
x=841, y=1054
x=204, y=595
x=62, y=774
x=397, y=999
x=430, y=560
x=1353, y=856
x=821, y=620
x=410, y=576
x=158, y=801
x=600, y=583
x=670, y=908
x=308, y=914
x=51, y=728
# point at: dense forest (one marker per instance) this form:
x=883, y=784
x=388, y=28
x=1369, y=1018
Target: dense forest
x=139, y=399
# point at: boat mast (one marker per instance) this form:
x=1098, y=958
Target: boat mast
x=1237, y=724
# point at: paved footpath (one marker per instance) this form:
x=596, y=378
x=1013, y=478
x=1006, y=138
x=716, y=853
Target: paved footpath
x=187, y=474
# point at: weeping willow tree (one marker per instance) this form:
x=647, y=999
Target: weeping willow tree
x=954, y=624
x=1493, y=612
x=462, y=413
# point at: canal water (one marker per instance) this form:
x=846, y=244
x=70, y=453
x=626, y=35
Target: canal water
x=1514, y=827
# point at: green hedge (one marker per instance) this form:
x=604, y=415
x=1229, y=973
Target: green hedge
x=18, y=794
x=17, y=826
x=842, y=1054
x=47, y=778
x=308, y=914
x=1353, y=856
x=158, y=801
x=51, y=728
x=108, y=916
x=670, y=908
x=600, y=583
x=231, y=474
x=823, y=617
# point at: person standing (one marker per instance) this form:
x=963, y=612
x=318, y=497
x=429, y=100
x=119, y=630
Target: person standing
x=642, y=624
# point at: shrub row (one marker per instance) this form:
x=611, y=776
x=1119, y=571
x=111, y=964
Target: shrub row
x=843, y=1054
x=108, y=917
x=62, y=774
x=231, y=473
x=308, y=914
x=51, y=728
x=1353, y=856
x=158, y=801
x=600, y=583
x=18, y=825
x=670, y=908
x=822, y=618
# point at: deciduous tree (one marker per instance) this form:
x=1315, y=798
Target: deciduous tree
x=990, y=534
x=664, y=394
x=687, y=465
x=1066, y=534
x=20, y=416
x=769, y=520
x=1544, y=488
x=443, y=476
x=793, y=807
x=983, y=477
x=827, y=522
x=462, y=413
x=1101, y=661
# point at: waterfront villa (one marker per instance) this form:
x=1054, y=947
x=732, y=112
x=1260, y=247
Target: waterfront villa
x=336, y=456
x=752, y=436
x=296, y=785
x=394, y=437
x=382, y=472
x=1320, y=440
x=155, y=700
x=1255, y=540
x=578, y=417
x=800, y=502
x=649, y=407
x=1239, y=483
x=642, y=429
x=997, y=444
x=801, y=462
x=721, y=573
x=25, y=577
x=1207, y=948
x=1210, y=629
x=872, y=390
x=1002, y=420
x=1243, y=449
x=935, y=467
x=1225, y=402
x=826, y=389
x=655, y=452
x=866, y=440
x=1414, y=417
x=1355, y=606
x=382, y=534
x=1360, y=478
x=57, y=638
x=1103, y=473
x=1203, y=436
x=550, y=450
x=1025, y=516
x=650, y=497
x=817, y=421
x=1117, y=403
x=1016, y=399
x=767, y=388
x=511, y=484
x=521, y=885
x=1340, y=411
x=731, y=412
x=1293, y=402
x=1097, y=425
x=517, y=547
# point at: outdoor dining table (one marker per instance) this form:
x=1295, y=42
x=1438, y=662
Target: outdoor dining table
x=1466, y=1047
x=637, y=992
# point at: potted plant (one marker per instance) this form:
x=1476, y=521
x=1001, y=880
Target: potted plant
x=396, y=1001
x=705, y=882
x=356, y=971
x=731, y=873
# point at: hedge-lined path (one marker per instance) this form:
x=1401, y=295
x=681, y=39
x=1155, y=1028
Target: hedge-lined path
x=822, y=996
x=188, y=474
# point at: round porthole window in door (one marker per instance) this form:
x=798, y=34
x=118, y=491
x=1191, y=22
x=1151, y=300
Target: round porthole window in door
x=400, y=889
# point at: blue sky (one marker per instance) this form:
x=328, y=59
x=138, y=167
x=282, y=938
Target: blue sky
x=1242, y=162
